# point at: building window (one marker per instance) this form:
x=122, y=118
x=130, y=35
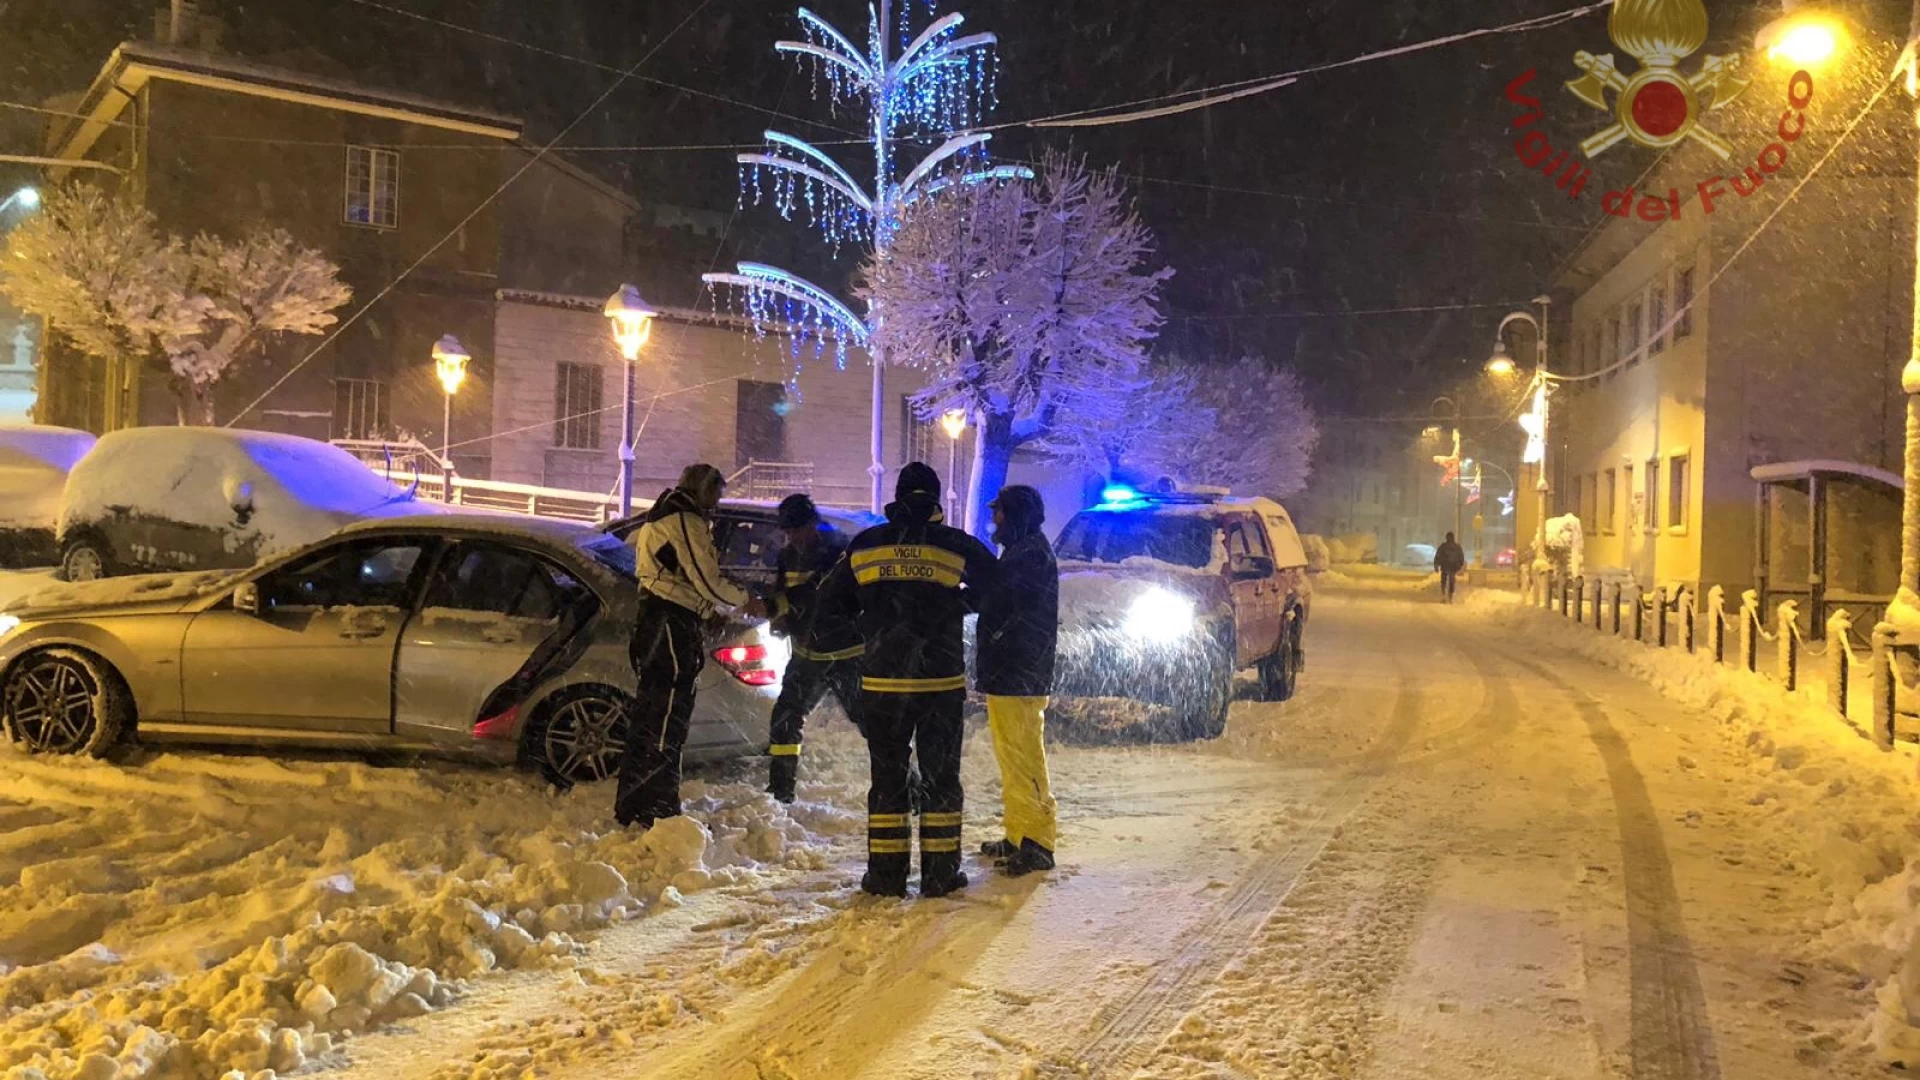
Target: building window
x=1653, y=494
x=577, y=395
x=1677, y=491
x=373, y=187
x=1587, y=515
x=1628, y=517
x=1634, y=329
x=359, y=409
x=920, y=439
x=1612, y=354
x=1657, y=318
x=1683, y=302
x=759, y=422
x=1610, y=491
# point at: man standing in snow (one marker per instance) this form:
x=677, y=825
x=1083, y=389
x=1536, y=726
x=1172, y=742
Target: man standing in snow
x=1019, y=625
x=826, y=652
x=680, y=586
x=1449, y=560
x=902, y=584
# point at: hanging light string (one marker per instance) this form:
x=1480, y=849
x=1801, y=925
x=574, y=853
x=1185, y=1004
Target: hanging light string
x=1169, y=104
x=463, y=222
x=1674, y=319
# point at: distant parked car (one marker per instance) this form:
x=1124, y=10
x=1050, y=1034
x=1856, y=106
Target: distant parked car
x=34, y=462
x=168, y=498
x=1419, y=556
x=501, y=637
x=749, y=539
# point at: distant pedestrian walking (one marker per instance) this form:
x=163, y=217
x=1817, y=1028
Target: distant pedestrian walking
x=1449, y=559
x=1018, y=629
x=680, y=586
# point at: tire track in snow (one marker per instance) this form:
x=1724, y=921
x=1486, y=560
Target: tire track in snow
x=1135, y=1024
x=1671, y=1034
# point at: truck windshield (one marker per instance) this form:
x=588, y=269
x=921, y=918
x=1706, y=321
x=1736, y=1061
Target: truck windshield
x=1110, y=536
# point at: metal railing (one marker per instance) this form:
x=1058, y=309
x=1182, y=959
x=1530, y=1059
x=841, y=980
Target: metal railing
x=770, y=481
x=499, y=495
x=396, y=455
x=1654, y=618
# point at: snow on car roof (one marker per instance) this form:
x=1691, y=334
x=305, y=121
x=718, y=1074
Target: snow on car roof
x=41, y=444
x=480, y=523
x=34, y=462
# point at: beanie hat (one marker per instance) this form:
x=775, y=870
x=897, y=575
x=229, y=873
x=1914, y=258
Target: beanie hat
x=796, y=512
x=697, y=477
x=917, y=478
x=1022, y=505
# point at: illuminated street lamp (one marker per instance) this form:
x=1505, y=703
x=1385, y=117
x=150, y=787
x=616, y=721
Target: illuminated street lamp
x=1802, y=37
x=1500, y=364
x=28, y=198
x=954, y=423
x=1534, y=421
x=632, y=321
x=450, y=360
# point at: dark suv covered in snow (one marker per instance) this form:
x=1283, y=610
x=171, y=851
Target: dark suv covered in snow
x=1164, y=598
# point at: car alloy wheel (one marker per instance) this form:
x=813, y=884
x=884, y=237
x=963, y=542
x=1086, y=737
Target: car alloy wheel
x=83, y=562
x=55, y=705
x=584, y=737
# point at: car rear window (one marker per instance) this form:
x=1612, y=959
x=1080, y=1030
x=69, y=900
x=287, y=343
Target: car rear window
x=1110, y=536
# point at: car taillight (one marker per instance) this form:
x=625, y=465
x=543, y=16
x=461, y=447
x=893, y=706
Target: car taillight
x=496, y=727
x=748, y=664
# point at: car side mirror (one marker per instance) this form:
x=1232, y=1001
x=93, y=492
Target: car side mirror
x=246, y=599
x=1251, y=567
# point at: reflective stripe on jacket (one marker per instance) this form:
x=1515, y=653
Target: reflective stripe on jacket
x=675, y=557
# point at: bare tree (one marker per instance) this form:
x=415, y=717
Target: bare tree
x=1031, y=304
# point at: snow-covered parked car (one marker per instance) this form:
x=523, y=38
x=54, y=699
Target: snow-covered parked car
x=34, y=462
x=173, y=498
x=1164, y=598
x=501, y=637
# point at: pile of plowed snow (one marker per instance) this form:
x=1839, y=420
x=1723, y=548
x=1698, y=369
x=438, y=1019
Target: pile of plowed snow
x=193, y=915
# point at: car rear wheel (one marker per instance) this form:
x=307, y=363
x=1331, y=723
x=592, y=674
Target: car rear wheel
x=62, y=701
x=1280, y=673
x=579, y=736
x=85, y=559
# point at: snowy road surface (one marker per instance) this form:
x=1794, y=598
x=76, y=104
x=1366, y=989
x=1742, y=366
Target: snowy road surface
x=1465, y=850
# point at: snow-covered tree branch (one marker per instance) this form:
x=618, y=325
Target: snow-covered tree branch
x=1253, y=430
x=1031, y=303
x=99, y=272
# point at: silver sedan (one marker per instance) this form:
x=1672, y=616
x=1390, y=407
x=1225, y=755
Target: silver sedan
x=504, y=638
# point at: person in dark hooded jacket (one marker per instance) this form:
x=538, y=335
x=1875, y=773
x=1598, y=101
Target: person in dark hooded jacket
x=1019, y=625
x=826, y=654
x=901, y=583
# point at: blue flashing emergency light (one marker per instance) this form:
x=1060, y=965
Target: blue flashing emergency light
x=1118, y=493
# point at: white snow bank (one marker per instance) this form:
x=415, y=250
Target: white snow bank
x=34, y=462
x=1565, y=543
x=50, y=595
x=266, y=491
x=190, y=915
x=15, y=584
x=1843, y=809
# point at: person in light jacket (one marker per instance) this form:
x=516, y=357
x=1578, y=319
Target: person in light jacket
x=680, y=587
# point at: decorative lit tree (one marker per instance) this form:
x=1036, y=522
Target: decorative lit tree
x=921, y=87
x=1032, y=306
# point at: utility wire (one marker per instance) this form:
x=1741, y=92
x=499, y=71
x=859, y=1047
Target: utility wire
x=475, y=212
x=1149, y=108
x=610, y=69
x=1392, y=207
x=1344, y=313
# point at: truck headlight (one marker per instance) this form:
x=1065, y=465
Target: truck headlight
x=1159, y=616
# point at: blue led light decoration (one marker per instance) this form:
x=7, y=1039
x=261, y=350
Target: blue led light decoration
x=927, y=87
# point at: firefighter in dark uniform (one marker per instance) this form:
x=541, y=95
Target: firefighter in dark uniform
x=1019, y=627
x=826, y=652
x=903, y=583
x=680, y=587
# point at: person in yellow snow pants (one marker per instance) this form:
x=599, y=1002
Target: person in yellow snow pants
x=1018, y=725
x=1018, y=629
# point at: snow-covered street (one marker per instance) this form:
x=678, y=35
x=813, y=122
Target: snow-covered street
x=1465, y=850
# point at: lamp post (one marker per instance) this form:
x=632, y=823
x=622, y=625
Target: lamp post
x=1454, y=406
x=954, y=423
x=450, y=359
x=1534, y=421
x=632, y=322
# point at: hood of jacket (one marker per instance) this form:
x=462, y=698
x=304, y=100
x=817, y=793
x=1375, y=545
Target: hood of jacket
x=675, y=501
x=915, y=508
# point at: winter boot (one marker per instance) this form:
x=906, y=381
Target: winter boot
x=999, y=850
x=1030, y=858
x=940, y=876
x=874, y=884
x=782, y=771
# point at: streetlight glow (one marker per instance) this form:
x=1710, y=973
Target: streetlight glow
x=27, y=197
x=1801, y=39
x=632, y=321
x=1500, y=363
x=954, y=422
x=450, y=359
